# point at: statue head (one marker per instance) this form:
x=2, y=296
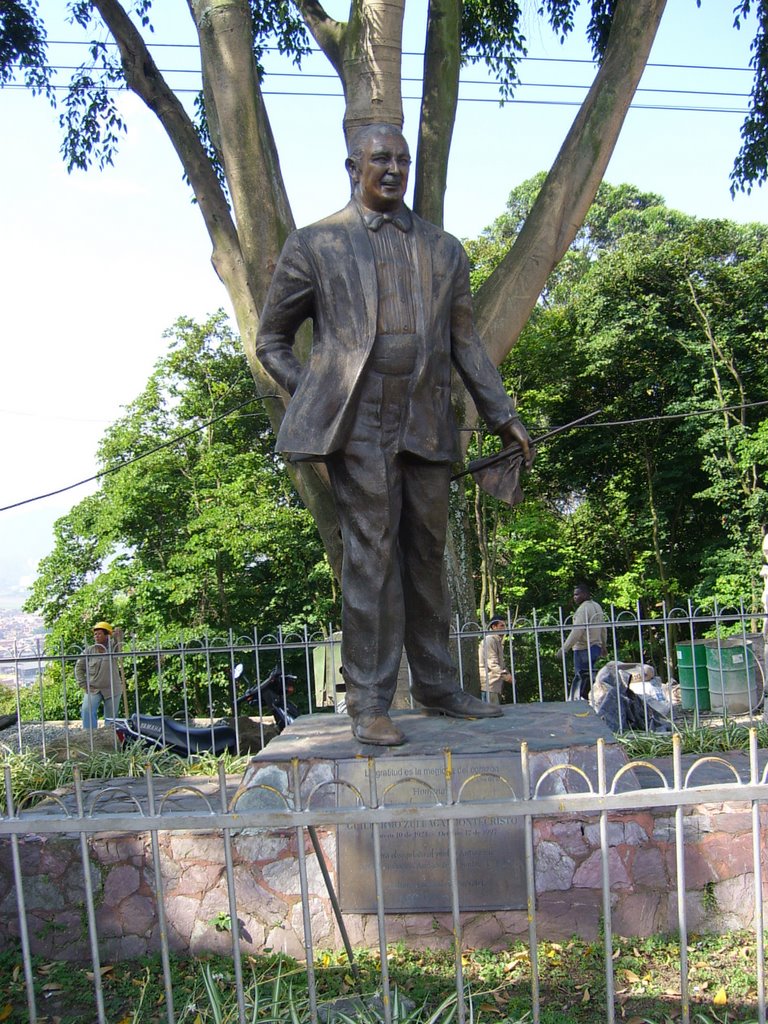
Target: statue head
x=378, y=164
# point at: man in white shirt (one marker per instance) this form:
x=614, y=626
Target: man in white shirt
x=587, y=639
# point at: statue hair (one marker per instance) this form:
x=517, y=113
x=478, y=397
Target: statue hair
x=360, y=136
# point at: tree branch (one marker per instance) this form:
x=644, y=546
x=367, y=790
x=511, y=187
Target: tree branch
x=509, y=295
x=144, y=78
x=440, y=94
x=327, y=33
x=248, y=151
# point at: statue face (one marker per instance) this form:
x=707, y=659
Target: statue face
x=381, y=173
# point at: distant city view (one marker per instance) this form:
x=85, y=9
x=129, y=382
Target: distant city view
x=16, y=625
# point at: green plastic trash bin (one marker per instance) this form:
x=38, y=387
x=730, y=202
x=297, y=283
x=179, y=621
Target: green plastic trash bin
x=731, y=669
x=692, y=675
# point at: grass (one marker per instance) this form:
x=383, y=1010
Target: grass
x=722, y=985
x=31, y=772
x=694, y=740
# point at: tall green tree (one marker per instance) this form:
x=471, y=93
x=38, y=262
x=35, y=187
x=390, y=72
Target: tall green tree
x=665, y=317
x=195, y=528
x=232, y=166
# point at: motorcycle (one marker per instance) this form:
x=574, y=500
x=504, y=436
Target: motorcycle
x=267, y=697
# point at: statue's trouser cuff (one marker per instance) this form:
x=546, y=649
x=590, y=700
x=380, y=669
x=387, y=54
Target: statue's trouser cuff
x=393, y=513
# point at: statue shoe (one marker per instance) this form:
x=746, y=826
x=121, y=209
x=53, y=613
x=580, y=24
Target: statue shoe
x=372, y=727
x=463, y=705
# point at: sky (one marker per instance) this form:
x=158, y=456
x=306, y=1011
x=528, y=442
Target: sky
x=96, y=266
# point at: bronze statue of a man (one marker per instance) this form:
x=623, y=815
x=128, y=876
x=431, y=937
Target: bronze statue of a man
x=388, y=294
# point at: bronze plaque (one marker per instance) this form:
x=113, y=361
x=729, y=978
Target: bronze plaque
x=490, y=852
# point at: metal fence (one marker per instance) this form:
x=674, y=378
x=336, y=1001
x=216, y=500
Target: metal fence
x=609, y=800
x=193, y=680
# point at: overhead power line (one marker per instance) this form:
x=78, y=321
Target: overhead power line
x=304, y=94
x=303, y=76
x=153, y=45
x=137, y=458
x=202, y=426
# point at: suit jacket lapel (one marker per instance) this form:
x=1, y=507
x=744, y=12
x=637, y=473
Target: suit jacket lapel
x=366, y=268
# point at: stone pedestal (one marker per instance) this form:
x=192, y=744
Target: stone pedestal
x=483, y=764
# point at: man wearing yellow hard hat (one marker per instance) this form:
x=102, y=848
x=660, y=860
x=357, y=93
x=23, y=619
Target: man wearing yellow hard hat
x=97, y=673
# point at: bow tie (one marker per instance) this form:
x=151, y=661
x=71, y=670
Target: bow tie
x=373, y=221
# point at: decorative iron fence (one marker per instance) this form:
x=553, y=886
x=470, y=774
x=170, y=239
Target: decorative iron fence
x=194, y=679
x=156, y=856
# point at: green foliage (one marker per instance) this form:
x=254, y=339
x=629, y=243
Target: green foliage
x=23, y=42
x=195, y=529
x=751, y=165
x=491, y=33
x=47, y=699
x=652, y=315
x=91, y=123
x=423, y=983
x=693, y=740
x=32, y=773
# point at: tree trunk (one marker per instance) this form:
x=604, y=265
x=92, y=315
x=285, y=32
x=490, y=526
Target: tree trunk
x=440, y=94
x=370, y=66
x=262, y=211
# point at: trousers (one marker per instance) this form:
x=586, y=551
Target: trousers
x=89, y=710
x=393, y=512
x=584, y=661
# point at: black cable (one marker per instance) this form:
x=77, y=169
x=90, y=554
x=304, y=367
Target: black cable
x=676, y=415
x=462, y=99
x=188, y=433
x=464, y=81
x=137, y=458
x=417, y=53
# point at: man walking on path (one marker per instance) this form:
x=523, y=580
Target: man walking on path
x=587, y=639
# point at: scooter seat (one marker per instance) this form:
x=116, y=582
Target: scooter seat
x=195, y=738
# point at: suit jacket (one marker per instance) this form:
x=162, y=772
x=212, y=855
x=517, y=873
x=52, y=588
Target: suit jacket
x=327, y=272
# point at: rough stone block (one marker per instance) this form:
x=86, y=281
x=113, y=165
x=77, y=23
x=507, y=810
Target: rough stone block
x=728, y=855
x=137, y=915
x=648, y=869
x=180, y=916
x=484, y=932
x=255, y=846
x=637, y=914
x=567, y=834
x=614, y=831
x=259, y=902
x=121, y=881
x=563, y=915
x=195, y=879
x=554, y=868
x=207, y=846
x=589, y=875
x=321, y=921
x=283, y=876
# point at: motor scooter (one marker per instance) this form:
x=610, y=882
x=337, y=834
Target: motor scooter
x=268, y=697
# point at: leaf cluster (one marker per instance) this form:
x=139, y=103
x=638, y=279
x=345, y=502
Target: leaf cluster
x=195, y=528
x=654, y=317
x=23, y=43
